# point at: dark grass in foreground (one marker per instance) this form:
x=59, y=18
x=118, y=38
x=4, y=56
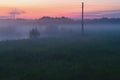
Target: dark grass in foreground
x=65, y=58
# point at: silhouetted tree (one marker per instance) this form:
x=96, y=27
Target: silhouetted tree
x=34, y=33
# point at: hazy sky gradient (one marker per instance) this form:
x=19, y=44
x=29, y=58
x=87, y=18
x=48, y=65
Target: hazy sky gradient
x=68, y=8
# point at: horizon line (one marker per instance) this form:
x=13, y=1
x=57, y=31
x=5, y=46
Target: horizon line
x=7, y=18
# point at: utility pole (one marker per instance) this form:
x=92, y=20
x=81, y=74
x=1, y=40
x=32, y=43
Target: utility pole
x=82, y=23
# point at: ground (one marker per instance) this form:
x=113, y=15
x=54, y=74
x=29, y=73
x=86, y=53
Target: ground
x=61, y=58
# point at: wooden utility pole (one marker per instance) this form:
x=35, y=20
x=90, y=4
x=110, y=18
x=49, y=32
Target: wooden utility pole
x=82, y=23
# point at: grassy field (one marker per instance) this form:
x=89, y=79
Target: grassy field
x=63, y=58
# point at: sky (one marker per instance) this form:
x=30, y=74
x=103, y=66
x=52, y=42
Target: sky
x=32, y=9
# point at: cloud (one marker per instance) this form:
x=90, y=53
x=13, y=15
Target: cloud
x=4, y=17
x=16, y=12
x=99, y=14
x=115, y=15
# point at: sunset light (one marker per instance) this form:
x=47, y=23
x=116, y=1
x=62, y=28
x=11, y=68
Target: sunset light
x=58, y=8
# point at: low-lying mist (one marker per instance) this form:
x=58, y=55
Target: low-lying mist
x=14, y=30
x=61, y=53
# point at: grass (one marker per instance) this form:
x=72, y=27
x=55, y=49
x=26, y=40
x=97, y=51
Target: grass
x=64, y=58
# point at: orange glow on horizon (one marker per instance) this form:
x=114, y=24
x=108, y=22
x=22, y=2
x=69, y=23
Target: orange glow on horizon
x=57, y=9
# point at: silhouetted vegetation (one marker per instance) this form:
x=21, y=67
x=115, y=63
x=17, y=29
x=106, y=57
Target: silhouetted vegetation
x=34, y=33
x=61, y=20
x=64, y=20
x=63, y=58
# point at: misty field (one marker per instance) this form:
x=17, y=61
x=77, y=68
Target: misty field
x=61, y=58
